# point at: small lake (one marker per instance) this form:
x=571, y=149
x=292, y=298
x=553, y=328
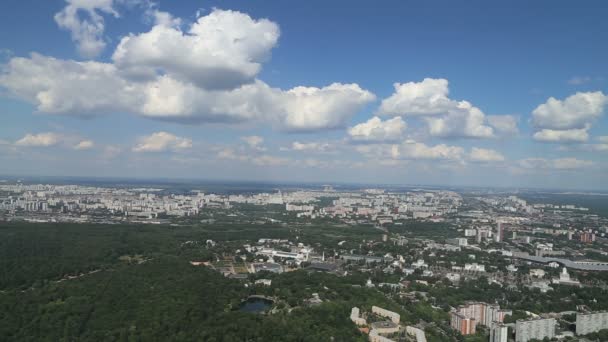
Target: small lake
x=255, y=305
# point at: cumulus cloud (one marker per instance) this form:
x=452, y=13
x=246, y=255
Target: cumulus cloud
x=445, y=117
x=416, y=150
x=92, y=88
x=503, y=124
x=162, y=141
x=222, y=50
x=311, y=108
x=40, y=140
x=84, y=20
x=463, y=121
x=557, y=164
x=564, y=136
x=485, y=155
x=70, y=87
x=204, y=74
x=84, y=145
x=568, y=120
x=575, y=112
x=376, y=130
x=428, y=97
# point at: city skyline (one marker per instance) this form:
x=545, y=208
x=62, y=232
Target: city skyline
x=450, y=95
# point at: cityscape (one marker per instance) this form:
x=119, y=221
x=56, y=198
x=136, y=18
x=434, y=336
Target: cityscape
x=412, y=246
x=303, y=171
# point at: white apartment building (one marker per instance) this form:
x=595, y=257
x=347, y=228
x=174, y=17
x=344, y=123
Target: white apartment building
x=525, y=330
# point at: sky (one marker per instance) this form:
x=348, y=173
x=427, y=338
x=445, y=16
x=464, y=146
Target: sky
x=509, y=94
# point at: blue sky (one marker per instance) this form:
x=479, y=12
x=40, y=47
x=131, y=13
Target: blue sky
x=288, y=91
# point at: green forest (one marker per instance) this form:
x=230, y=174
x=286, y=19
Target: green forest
x=87, y=282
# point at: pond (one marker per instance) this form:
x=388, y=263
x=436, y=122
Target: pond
x=255, y=305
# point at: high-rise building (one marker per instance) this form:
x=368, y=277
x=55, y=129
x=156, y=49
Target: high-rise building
x=587, y=323
x=526, y=330
x=465, y=325
x=587, y=237
x=499, y=333
x=499, y=236
x=476, y=313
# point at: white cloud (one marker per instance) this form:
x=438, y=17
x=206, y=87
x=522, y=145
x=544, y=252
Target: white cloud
x=222, y=50
x=445, y=117
x=568, y=120
x=575, y=112
x=84, y=145
x=565, y=136
x=162, y=141
x=557, y=164
x=376, y=130
x=463, y=121
x=70, y=87
x=428, y=97
x=204, y=74
x=40, y=140
x=485, y=155
x=93, y=88
x=503, y=124
x=84, y=20
x=311, y=108
x=309, y=147
x=416, y=150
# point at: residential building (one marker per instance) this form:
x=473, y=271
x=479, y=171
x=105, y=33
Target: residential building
x=499, y=333
x=539, y=328
x=587, y=323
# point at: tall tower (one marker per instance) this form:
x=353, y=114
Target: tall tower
x=499, y=236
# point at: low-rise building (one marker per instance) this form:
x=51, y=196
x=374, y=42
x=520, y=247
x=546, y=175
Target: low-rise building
x=355, y=316
x=393, y=316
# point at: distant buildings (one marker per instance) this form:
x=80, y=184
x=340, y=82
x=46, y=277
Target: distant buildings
x=458, y=242
x=526, y=330
x=465, y=317
x=587, y=323
x=587, y=237
x=475, y=267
